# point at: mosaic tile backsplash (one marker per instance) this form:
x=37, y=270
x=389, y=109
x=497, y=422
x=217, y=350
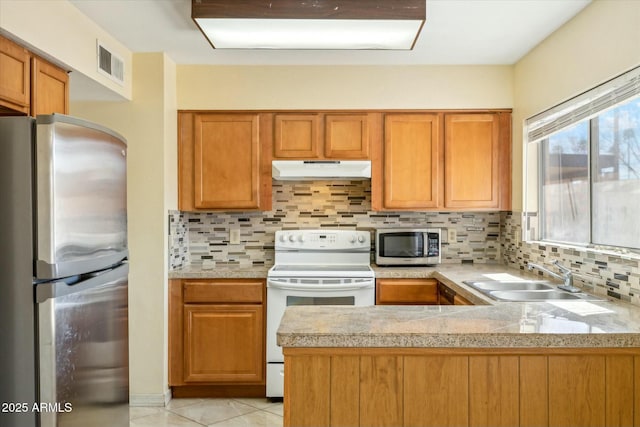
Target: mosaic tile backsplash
x=615, y=275
x=203, y=237
x=482, y=237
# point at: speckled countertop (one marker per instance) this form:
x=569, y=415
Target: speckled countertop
x=487, y=324
x=219, y=272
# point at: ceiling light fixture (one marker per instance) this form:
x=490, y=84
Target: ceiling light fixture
x=310, y=24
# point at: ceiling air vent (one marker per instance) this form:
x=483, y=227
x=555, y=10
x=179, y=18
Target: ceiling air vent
x=110, y=64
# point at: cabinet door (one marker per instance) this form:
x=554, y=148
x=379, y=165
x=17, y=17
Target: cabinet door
x=411, y=161
x=406, y=291
x=226, y=162
x=49, y=88
x=14, y=76
x=471, y=161
x=346, y=136
x=223, y=343
x=297, y=136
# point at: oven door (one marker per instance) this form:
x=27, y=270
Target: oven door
x=283, y=292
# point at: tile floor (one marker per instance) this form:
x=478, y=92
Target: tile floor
x=258, y=412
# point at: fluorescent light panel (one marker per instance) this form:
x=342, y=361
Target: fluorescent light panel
x=309, y=33
x=317, y=24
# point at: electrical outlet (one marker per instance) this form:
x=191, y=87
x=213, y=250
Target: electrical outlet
x=451, y=235
x=234, y=236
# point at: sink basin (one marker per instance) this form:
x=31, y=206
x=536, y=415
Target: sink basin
x=532, y=295
x=493, y=285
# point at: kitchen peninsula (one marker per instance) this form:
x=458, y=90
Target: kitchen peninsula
x=508, y=364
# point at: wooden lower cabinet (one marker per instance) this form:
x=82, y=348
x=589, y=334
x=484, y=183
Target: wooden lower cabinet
x=466, y=387
x=217, y=337
x=406, y=291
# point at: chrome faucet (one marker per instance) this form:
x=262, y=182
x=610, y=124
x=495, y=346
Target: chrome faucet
x=566, y=276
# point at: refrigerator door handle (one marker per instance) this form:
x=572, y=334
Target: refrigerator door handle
x=47, y=290
x=44, y=270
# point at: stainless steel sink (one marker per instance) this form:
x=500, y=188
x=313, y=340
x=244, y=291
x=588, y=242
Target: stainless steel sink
x=492, y=285
x=532, y=295
x=525, y=290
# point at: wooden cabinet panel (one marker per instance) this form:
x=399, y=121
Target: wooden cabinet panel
x=460, y=300
x=619, y=390
x=406, y=291
x=436, y=391
x=226, y=161
x=411, y=156
x=346, y=136
x=534, y=391
x=49, y=88
x=217, y=335
x=381, y=380
x=345, y=391
x=223, y=343
x=493, y=391
x=577, y=390
x=297, y=136
x=221, y=291
x=14, y=76
x=306, y=391
x=463, y=387
x=471, y=160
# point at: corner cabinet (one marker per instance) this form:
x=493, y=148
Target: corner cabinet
x=323, y=135
x=224, y=161
x=217, y=337
x=444, y=161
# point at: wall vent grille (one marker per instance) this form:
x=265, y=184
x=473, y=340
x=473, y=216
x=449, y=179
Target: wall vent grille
x=110, y=64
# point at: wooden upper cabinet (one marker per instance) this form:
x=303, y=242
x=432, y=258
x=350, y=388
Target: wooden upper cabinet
x=49, y=88
x=346, y=136
x=411, y=158
x=322, y=135
x=224, y=161
x=14, y=76
x=477, y=161
x=297, y=136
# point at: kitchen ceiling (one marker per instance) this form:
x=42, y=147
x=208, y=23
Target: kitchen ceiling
x=455, y=32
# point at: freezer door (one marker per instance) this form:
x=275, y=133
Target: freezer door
x=83, y=351
x=81, y=199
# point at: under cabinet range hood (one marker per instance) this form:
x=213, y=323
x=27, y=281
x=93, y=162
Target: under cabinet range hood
x=306, y=170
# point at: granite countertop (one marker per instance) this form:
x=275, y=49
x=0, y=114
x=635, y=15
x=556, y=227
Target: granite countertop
x=515, y=325
x=220, y=272
x=489, y=324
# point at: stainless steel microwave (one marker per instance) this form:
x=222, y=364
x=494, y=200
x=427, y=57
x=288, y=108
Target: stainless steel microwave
x=407, y=246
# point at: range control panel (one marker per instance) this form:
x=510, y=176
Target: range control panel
x=322, y=239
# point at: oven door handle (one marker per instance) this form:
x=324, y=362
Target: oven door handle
x=277, y=284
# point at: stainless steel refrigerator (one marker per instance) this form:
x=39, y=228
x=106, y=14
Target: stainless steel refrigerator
x=63, y=274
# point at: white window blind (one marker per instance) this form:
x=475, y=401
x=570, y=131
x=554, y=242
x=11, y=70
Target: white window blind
x=584, y=106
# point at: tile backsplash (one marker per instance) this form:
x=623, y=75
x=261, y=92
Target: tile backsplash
x=615, y=275
x=203, y=237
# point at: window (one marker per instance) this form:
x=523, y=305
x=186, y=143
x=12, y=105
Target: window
x=585, y=157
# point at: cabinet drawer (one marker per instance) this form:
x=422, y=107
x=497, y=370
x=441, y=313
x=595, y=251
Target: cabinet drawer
x=231, y=291
x=406, y=291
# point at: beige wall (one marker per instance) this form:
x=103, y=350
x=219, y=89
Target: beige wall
x=149, y=124
x=598, y=44
x=62, y=33
x=337, y=87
